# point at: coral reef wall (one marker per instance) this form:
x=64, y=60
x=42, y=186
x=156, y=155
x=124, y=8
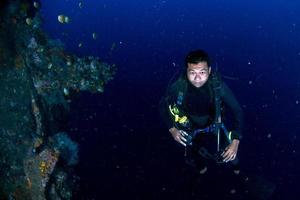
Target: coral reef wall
x=37, y=78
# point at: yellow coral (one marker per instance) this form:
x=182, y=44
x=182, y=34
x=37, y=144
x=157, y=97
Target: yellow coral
x=43, y=168
x=47, y=163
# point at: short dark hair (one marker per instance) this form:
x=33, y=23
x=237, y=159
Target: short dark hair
x=197, y=56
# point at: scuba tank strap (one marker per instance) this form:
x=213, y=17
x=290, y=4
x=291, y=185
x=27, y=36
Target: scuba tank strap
x=181, y=88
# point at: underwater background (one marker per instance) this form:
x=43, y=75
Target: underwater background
x=125, y=150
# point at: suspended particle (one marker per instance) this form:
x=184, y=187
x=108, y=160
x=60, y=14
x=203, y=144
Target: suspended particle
x=28, y=21
x=69, y=63
x=63, y=19
x=66, y=92
x=36, y=5
x=50, y=65
x=94, y=36
x=67, y=19
x=80, y=4
x=232, y=191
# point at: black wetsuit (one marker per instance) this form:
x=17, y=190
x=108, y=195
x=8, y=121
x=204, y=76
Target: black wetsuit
x=198, y=105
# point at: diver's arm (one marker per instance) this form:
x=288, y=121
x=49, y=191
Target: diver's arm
x=238, y=115
x=164, y=113
x=178, y=135
x=168, y=99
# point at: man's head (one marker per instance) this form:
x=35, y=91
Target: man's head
x=198, y=67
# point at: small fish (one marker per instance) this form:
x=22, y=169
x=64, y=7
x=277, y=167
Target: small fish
x=63, y=19
x=94, y=36
x=80, y=4
x=66, y=92
x=36, y=5
x=28, y=21
x=67, y=19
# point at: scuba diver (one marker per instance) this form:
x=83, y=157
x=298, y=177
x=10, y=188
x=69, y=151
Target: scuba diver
x=193, y=111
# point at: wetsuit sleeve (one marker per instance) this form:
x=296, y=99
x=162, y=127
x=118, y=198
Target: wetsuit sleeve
x=238, y=115
x=164, y=109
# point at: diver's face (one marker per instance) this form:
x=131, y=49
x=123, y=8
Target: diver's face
x=198, y=73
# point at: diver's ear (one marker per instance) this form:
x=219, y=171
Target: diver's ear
x=209, y=70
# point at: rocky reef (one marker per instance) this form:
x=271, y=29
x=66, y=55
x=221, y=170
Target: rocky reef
x=37, y=80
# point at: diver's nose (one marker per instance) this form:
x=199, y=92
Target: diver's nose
x=197, y=77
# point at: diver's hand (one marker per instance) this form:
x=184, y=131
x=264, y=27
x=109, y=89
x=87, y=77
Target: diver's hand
x=230, y=151
x=179, y=135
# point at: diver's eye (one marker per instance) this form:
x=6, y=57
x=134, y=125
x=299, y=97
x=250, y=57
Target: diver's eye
x=204, y=73
x=192, y=73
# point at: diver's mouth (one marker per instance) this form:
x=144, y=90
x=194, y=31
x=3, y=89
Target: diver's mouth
x=197, y=84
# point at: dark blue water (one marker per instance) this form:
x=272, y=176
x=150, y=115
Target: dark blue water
x=126, y=152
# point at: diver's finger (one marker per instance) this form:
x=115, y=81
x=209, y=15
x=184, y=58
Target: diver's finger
x=225, y=154
x=178, y=139
x=227, y=158
x=183, y=133
x=225, y=151
x=182, y=143
x=183, y=139
x=233, y=156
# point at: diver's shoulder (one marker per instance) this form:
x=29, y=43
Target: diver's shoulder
x=179, y=84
